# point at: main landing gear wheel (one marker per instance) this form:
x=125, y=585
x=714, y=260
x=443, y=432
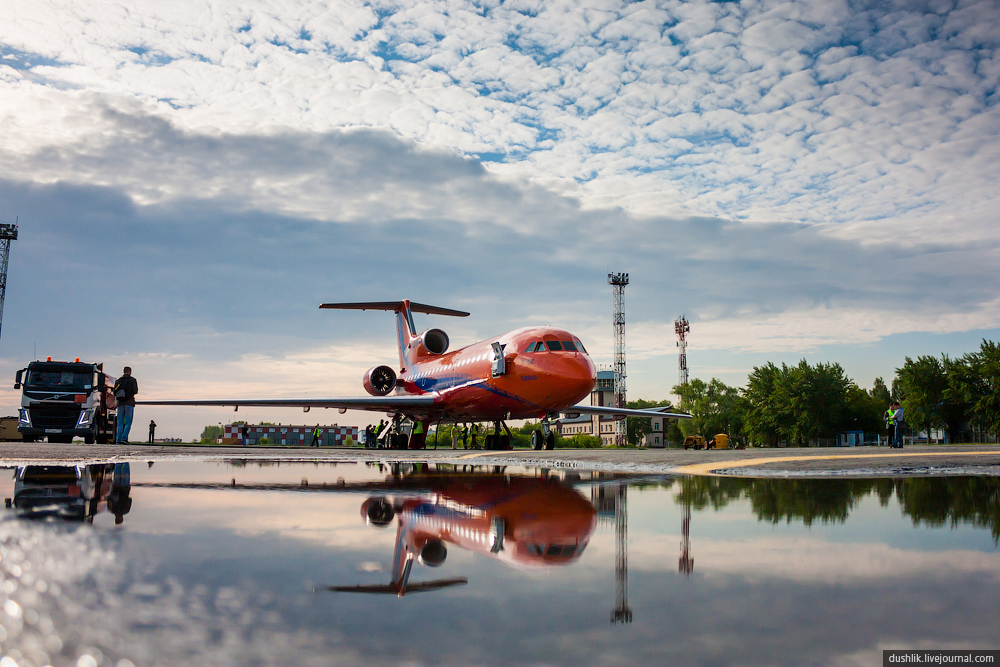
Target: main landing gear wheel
x=550, y=441
x=537, y=440
x=488, y=443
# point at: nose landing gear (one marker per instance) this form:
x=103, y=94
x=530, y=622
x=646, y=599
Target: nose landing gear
x=544, y=438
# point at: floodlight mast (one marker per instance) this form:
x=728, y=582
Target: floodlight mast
x=618, y=281
x=8, y=233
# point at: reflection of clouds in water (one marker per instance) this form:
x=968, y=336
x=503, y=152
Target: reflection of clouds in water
x=69, y=592
x=811, y=560
x=50, y=576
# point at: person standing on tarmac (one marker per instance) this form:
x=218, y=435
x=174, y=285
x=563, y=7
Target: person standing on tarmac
x=125, y=390
x=897, y=417
x=315, y=440
x=152, y=430
x=890, y=425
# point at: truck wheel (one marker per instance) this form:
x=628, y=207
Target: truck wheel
x=88, y=439
x=28, y=438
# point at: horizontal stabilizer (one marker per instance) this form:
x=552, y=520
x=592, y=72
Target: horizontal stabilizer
x=394, y=589
x=394, y=306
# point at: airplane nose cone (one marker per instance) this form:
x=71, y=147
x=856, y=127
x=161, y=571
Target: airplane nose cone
x=585, y=375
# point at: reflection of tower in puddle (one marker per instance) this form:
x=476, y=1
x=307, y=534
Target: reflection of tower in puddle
x=611, y=503
x=686, y=563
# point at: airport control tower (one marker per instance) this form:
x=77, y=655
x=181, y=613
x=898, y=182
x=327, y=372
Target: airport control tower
x=8, y=233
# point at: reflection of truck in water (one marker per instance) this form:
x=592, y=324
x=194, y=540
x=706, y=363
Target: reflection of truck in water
x=63, y=399
x=72, y=493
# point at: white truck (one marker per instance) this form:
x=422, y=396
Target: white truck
x=61, y=400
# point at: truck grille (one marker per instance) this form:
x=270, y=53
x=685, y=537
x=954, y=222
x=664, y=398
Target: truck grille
x=54, y=417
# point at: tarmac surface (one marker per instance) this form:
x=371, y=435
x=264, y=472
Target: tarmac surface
x=919, y=460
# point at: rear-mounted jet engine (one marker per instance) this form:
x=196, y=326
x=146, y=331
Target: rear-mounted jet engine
x=379, y=381
x=432, y=341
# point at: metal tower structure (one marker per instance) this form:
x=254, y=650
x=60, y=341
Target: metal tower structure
x=622, y=612
x=618, y=281
x=681, y=328
x=686, y=564
x=8, y=233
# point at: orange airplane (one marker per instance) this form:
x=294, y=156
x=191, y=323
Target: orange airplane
x=529, y=373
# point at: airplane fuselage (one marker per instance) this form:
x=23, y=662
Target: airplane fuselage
x=534, y=383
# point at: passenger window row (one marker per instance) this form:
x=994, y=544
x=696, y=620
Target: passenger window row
x=556, y=346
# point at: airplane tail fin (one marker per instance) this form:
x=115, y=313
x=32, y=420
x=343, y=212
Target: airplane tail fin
x=405, y=329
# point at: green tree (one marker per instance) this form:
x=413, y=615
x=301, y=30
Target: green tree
x=819, y=400
x=864, y=411
x=211, y=433
x=800, y=403
x=956, y=400
x=984, y=385
x=768, y=415
x=880, y=393
x=921, y=385
x=714, y=407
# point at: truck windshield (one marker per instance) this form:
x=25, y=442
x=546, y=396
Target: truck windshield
x=58, y=380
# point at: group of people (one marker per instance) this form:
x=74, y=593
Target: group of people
x=894, y=424
x=374, y=433
x=465, y=433
x=375, y=436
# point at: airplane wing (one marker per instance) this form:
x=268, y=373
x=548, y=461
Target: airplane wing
x=372, y=403
x=578, y=410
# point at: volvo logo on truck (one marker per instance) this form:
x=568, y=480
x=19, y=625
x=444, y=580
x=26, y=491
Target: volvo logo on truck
x=63, y=399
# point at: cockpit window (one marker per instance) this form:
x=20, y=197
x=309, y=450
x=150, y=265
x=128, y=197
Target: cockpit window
x=569, y=346
x=560, y=550
x=580, y=346
x=531, y=347
x=553, y=345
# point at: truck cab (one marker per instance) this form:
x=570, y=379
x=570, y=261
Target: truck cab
x=61, y=400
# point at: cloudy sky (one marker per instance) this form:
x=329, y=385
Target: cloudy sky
x=802, y=179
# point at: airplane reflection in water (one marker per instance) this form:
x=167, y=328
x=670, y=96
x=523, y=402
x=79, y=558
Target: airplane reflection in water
x=523, y=521
x=71, y=493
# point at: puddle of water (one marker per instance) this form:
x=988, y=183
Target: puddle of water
x=248, y=563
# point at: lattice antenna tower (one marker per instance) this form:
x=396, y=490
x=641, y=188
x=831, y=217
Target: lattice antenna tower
x=622, y=612
x=682, y=328
x=8, y=233
x=618, y=281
